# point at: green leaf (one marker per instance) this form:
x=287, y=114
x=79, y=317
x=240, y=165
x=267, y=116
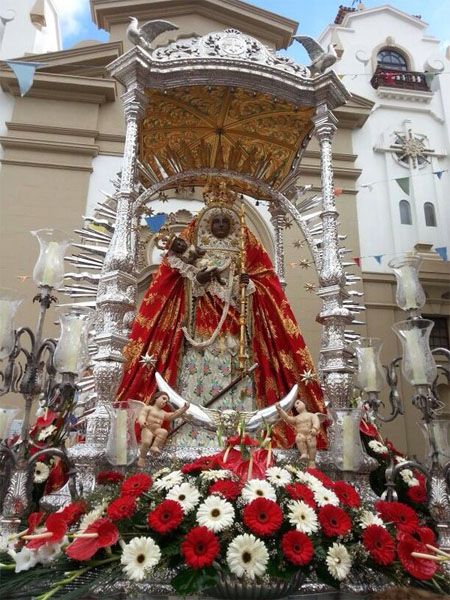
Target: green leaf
x=187, y=582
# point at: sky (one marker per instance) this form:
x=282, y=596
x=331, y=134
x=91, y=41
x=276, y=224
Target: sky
x=313, y=16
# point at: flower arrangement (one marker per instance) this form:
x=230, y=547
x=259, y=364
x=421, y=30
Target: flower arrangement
x=203, y=520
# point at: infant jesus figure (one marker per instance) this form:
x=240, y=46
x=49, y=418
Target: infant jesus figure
x=151, y=419
x=306, y=426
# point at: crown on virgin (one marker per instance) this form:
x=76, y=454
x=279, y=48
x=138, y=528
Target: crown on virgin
x=219, y=194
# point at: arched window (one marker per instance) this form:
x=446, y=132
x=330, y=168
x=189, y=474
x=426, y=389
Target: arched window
x=430, y=214
x=392, y=59
x=405, y=212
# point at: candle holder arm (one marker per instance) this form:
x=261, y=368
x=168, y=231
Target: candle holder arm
x=393, y=471
x=69, y=465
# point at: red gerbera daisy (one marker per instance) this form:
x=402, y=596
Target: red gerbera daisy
x=297, y=547
x=334, y=521
x=320, y=476
x=72, y=512
x=379, y=544
x=262, y=516
x=299, y=491
x=226, y=488
x=121, y=508
x=417, y=494
x=109, y=477
x=347, y=494
x=85, y=548
x=200, y=547
x=166, y=516
x=403, y=516
x=420, y=568
x=136, y=485
x=424, y=535
x=55, y=530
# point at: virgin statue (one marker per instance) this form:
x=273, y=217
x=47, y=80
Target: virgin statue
x=188, y=327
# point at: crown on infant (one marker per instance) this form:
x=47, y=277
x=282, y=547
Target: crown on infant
x=219, y=194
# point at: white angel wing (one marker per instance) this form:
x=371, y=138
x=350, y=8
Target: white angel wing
x=270, y=414
x=152, y=29
x=195, y=414
x=313, y=48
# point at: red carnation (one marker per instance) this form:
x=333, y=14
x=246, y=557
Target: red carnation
x=379, y=544
x=420, y=568
x=136, y=485
x=297, y=547
x=320, y=476
x=121, y=508
x=226, y=488
x=262, y=516
x=109, y=477
x=85, y=548
x=72, y=512
x=200, y=548
x=166, y=516
x=334, y=520
x=56, y=528
x=417, y=494
x=403, y=516
x=347, y=494
x=299, y=491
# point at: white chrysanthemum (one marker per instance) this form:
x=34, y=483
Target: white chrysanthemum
x=212, y=475
x=49, y=552
x=25, y=559
x=312, y=482
x=302, y=516
x=278, y=476
x=378, y=447
x=248, y=556
x=46, y=432
x=399, y=459
x=168, y=481
x=324, y=496
x=258, y=488
x=139, y=556
x=92, y=516
x=215, y=513
x=6, y=543
x=367, y=518
x=338, y=561
x=41, y=472
x=408, y=477
x=186, y=494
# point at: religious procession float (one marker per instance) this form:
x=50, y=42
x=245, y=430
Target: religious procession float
x=211, y=457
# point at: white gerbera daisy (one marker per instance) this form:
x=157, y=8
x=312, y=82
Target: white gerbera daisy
x=41, y=472
x=367, y=518
x=160, y=473
x=92, y=516
x=248, y=556
x=258, y=488
x=186, y=494
x=312, y=482
x=215, y=513
x=139, y=556
x=338, y=561
x=278, y=476
x=168, y=481
x=302, y=516
x=46, y=432
x=215, y=475
x=324, y=496
x=25, y=559
x=378, y=447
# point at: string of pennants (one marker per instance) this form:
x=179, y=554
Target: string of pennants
x=442, y=251
x=403, y=182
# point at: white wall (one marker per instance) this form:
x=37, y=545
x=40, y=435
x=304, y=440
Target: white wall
x=361, y=36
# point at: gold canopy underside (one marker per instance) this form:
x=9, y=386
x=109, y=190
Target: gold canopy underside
x=234, y=129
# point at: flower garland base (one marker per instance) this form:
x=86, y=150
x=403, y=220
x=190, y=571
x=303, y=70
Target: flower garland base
x=229, y=587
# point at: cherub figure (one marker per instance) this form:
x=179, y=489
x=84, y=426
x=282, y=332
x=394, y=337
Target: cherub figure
x=151, y=419
x=306, y=426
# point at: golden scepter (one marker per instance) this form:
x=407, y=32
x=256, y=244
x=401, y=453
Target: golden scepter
x=243, y=315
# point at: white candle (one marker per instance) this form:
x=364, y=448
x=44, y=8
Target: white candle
x=368, y=368
x=121, y=436
x=5, y=324
x=348, y=442
x=73, y=345
x=51, y=264
x=409, y=287
x=416, y=356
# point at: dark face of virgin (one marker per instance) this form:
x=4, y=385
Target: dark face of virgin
x=220, y=226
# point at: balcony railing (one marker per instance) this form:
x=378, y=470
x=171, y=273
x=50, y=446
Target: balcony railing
x=405, y=80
